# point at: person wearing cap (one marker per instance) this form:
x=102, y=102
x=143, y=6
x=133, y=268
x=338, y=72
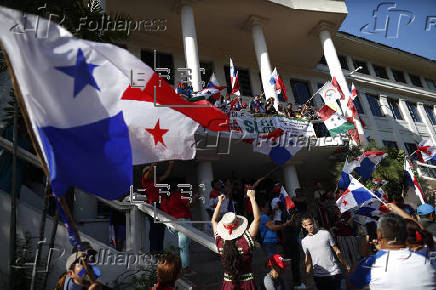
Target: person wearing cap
x=76, y=277
x=426, y=214
x=272, y=281
x=234, y=242
x=394, y=266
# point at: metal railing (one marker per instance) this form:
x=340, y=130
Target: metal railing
x=135, y=220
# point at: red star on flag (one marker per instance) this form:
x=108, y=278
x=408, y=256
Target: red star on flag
x=157, y=133
x=345, y=202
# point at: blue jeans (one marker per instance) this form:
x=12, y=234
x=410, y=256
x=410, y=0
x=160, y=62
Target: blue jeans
x=184, y=245
x=270, y=249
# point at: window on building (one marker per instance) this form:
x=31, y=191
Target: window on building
x=343, y=61
x=389, y=144
x=393, y=105
x=380, y=71
x=416, y=80
x=430, y=84
x=244, y=80
x=208, y=70
x=399, y=76
x=430, y=114
x=358, y=63
x=322, y=61
x=163, y=60
x=374, y=105
x=301, y=92
x=411, y=147
x=413, y=112
x=358, y=105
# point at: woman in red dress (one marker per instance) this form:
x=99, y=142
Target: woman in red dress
x=234, y=241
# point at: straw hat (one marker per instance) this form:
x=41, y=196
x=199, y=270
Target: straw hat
x=231, y=226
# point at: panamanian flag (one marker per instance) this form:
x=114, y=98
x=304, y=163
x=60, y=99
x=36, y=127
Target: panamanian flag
x=273, y=145
x=234, y=79
x=368, y=162
x=286, y=199
x=278, y=85
x=355, y=195
x=90, y=121
x=335, y=123
x=426, y=150
x=344, y=180
x=410, y=179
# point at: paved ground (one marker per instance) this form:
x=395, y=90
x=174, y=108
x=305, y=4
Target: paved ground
x=208, y=273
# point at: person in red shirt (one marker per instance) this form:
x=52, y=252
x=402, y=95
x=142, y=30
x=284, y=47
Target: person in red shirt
x=157, y=230
x=178, y=206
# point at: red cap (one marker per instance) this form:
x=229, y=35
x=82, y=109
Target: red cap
x=277, y=188
x=278, y=260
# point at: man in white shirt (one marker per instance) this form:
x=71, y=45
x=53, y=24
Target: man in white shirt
x=318, y=246
x=394, y=266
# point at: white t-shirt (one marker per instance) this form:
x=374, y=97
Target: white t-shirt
x=323, y=259
x=275, y=205
x=395, y=269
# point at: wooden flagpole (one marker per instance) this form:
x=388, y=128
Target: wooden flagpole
x=34, y=139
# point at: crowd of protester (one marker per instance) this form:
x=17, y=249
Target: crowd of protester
x=338, y=250
x=322, y=246
x=258, y=105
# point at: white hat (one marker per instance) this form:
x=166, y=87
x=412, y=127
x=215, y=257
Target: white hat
x=231, y=226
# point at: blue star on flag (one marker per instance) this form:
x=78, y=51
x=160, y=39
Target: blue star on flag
x=81, y=72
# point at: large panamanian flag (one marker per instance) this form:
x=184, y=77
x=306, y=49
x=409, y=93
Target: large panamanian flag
x=91, y=124
x=355, y=195
x=335, y=123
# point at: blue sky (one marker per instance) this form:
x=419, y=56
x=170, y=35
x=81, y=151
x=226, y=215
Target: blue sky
x=411, y=24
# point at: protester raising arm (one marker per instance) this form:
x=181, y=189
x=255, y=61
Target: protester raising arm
x=216, y=213
x=254, y=226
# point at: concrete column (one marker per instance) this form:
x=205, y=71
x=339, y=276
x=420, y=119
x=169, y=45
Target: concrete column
x=395, y=130
x=190, y=45
x=205, y=176
x=290, y=178
x=371, y=70
x=406, y=114
x=335, y=69
x=390, y=74
x=426, y=121
x=262, y=57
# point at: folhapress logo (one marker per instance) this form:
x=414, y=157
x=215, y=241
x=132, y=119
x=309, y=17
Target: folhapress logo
x=387, y=20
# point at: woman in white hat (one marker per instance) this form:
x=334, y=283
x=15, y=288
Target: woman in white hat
x=234, y=241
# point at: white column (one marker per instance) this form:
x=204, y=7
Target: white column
x=389, y=114
x=406, y=114
x=205, y=176
x=190, y=45
x=262, y=57
x=290, y=178
x=335, y=69
x=426, y=121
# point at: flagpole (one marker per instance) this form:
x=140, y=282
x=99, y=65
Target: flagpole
x=315, y=93
x=378, y=198
x=34, y=140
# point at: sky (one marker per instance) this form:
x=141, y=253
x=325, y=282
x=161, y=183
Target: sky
x=409, y=25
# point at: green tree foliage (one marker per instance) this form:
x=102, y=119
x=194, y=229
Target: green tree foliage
x=390, y=168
